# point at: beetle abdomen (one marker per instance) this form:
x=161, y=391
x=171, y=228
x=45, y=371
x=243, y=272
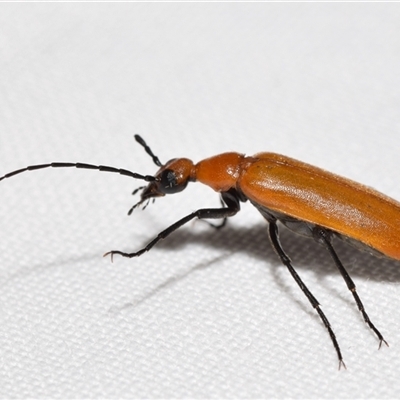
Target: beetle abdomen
x=314, y=195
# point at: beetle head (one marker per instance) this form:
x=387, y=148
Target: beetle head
x=172, y=177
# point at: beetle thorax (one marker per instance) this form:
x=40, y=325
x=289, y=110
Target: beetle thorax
x=220, y=172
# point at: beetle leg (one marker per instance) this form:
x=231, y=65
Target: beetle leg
x=323, y=236
x=232, y=208
x=230, y=198
x=274, y=237
x=223, y=222
x=219, y=226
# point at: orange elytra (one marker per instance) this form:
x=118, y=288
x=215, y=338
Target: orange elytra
x=306, y=199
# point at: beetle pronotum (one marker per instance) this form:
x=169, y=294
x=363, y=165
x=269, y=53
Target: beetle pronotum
x=304, y=198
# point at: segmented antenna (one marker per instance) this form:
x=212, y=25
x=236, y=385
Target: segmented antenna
x=105, y=168
x=148, y=150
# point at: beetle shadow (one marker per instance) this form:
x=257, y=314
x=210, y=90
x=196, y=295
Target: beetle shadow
x=18, y=271
x=166, y=284
x=305, y=253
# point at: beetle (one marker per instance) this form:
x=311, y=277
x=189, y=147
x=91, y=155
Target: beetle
x=306, y=199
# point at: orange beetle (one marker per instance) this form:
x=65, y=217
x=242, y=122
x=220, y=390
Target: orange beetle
x=306, y=199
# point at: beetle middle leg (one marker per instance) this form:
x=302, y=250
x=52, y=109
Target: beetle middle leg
x=323, y=236
x=274, y=237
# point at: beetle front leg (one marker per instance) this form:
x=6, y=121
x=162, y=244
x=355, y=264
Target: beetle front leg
x=204, y=213
x=230, y=198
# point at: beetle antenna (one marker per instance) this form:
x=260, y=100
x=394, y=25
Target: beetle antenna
x=148, y=150
x=147, y=178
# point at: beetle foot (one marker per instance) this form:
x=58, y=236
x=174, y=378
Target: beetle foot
x=382, y=341
x=123, y=254
x=342, y=364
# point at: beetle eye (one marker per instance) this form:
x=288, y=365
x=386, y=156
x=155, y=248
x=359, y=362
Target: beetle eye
x=168, y=182
x=171, y=181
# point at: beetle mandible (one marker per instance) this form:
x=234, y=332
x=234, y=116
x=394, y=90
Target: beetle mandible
x=306, y=199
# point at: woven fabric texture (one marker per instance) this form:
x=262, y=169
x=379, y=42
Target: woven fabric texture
x=207, y=313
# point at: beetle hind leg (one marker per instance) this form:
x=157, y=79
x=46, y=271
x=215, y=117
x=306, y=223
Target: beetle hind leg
x=324, y=237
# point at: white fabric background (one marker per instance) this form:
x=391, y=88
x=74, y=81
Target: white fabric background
x=206, y=313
